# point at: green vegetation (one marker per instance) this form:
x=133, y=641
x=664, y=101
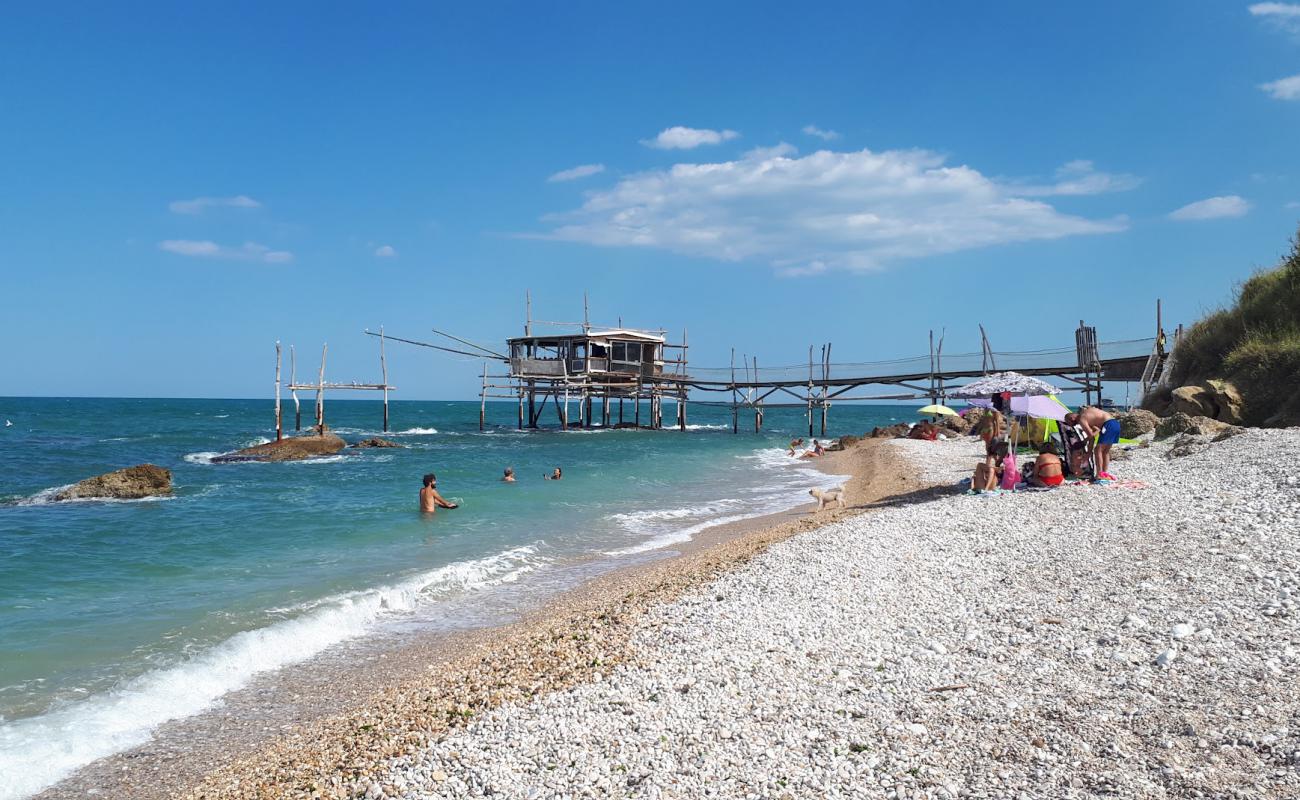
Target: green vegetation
x=1255, y=344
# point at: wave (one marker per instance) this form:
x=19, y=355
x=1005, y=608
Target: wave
x=39, y=751
x=416, y=432
x=321, y=459
x=710, y=427
x=45, y=497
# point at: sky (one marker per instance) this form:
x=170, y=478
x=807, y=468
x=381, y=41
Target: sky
x=182, y=185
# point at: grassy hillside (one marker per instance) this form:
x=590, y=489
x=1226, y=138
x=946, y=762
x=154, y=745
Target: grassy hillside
x=1255, y=343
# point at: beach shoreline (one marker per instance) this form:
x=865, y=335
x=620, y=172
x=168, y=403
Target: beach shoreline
x=330, y=727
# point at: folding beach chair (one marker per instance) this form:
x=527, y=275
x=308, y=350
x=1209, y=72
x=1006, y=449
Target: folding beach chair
x=1074, y=439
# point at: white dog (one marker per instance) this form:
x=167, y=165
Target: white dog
x=825, y=496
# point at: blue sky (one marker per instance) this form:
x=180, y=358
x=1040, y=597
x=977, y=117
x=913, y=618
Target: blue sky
x=183, y=185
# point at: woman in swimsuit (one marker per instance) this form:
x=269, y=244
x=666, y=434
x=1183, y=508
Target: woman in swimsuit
x=1047, y=467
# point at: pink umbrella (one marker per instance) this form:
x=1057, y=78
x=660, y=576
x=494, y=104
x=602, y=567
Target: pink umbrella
x=1037, y=406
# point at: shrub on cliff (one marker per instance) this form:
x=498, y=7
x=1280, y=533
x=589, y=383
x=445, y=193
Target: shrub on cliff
x=1255, y=343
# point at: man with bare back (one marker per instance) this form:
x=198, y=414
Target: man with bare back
x=1096, y=422
x=430, y=500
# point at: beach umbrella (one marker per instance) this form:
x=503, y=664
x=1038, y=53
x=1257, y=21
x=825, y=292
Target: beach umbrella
x=1004, y=382
x=1037, y=406
x=937, y=409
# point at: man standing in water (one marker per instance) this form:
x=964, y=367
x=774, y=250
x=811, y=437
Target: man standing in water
x=430, y=500
x=1101, y=424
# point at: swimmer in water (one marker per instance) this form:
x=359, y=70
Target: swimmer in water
x=509, y=477
x=430, y=500
x=556, y=475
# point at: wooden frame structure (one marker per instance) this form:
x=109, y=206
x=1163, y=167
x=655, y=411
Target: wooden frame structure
x=321, y=385
x=612, y=366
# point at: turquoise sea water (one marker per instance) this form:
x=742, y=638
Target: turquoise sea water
x=117, y=616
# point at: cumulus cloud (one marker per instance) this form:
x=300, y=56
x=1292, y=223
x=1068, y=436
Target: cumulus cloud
x=825, y=135
x=200, y=204
x=680, y=138
x=1080, y=177
x=825, y=211
x=1283, y=88
x=1212, y=208
x=248, y=251
x=581, y=171
x=1283, y=16
x=386, y=251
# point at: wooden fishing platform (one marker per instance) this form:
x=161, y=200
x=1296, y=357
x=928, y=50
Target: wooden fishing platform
x=614, y=365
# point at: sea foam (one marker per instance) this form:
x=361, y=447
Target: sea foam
x=37, y=752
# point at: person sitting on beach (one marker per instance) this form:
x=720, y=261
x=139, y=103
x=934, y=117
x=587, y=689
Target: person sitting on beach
x=430, y=500
x=556, y=475
x=1047, y=467
x=988, y=473
x=924, y=430
x=509, y=477
x=817, y=450
x=1098, y=423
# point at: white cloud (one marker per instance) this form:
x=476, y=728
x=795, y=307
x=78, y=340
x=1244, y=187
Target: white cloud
x=776, y=151
x=1212, y=208
x=1293, y=204
x=813, y=130
x=1283, y=88
x=200, y=204
x=828, y=210
x=680, y=138
x=582, y=171
x=248, y=251
x=1080, y=177
x=1283, y=16
x=386, y=251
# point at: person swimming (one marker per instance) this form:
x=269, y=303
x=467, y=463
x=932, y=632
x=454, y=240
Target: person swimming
x=430, y=500
x=509, y=477
x=556, y=475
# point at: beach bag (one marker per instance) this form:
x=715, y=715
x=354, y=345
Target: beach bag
x=1010, y=475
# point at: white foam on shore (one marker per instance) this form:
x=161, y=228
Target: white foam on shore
x=37, y=752
x=787, y=481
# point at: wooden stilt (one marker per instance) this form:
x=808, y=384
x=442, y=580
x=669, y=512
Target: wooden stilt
x=279, y=422
x=383, y=368
x=293, y=391
x=320, y=392
x=482, y=404
x=521, y=409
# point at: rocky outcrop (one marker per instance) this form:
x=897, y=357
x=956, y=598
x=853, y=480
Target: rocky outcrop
x=1185, y=445
x=1229, y=405
x=1193, y=400
x=132, y=483
x=957, y=424
x=1182, y=423
x=891, y=432
x=845, y=442
x=375, y=441
x=291, y=449
x=1139, y=422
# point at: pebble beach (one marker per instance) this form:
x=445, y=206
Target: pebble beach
x=1136, y=640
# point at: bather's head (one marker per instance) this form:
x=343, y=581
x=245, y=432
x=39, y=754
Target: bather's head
x=1072, y=418
x=430, y=479
x=1047, y=448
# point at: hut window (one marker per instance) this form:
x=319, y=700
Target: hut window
x=628, y=352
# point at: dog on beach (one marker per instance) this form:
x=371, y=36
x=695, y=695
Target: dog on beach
x=825, y=496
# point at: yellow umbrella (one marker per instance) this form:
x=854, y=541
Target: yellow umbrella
x=937, y=409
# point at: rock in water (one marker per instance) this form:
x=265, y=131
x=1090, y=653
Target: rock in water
x=1136, y=423
x=292, y=449
x=375, y=441
x=132, y=483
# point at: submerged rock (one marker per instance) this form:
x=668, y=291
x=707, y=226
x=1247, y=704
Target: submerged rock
x=375, y=441
x=291, y=449
x=132, y=483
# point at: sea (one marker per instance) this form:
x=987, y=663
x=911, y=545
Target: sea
x=118, y=616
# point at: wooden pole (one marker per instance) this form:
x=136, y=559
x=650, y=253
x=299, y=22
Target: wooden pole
x=320, y=392
x=826, y=376
x=482, y=403
x=758, y=410
x=810, y=391
x=620, y=411
x=735, y=411
x=528, y=312
x=521, y=408
x=383, y=368
x=293, y=381
x=279, y=430
x=638, y=403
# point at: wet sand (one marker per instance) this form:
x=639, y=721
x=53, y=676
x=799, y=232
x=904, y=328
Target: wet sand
x=323, y=730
